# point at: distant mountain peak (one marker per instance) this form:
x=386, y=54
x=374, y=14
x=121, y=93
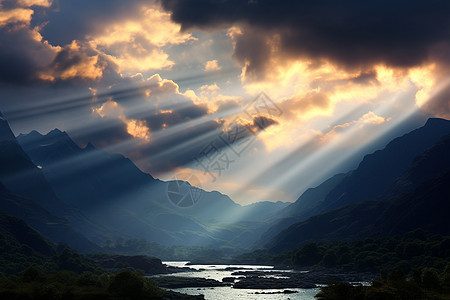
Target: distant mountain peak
x=57, y=133
x=89, y=146
x=31, y=134
x=5, y=131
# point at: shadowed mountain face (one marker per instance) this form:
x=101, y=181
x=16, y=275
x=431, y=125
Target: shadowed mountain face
x=298, y=211
x=14, y=230
x=37, y=203
x=418, y=198
x=110, y=189
x=427, y=208
x=376, y=177
x=378, y=171
x=56, y=228
x=5, y=132
x=86, y=177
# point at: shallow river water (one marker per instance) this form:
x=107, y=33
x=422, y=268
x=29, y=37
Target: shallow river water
x=218, y=272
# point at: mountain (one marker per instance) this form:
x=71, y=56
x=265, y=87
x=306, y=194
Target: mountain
x=26, y=193
x=427, y=208
x=110, y=189
x=309, y=199
x=297, y=211
x=15, y=231
x=418, y=198
x=378, y=171
x=433, y=161
x=22, y=247
x=68, y=167
x=375, y=177
x=5, y=132
x=55, y=228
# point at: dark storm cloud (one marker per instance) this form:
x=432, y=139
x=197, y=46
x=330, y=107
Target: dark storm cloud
x=176, y=115
x=21, y=56
x=73, y=20
x=26, y=57
x=103, y=134
x=350, y=33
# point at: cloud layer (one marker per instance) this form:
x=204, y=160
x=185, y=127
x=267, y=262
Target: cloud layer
x=350, y=33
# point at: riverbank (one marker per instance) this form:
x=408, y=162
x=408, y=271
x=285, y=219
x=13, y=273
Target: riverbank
x=252, y=281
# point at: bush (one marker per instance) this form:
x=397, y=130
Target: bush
x=430, y=279
x=127, y=284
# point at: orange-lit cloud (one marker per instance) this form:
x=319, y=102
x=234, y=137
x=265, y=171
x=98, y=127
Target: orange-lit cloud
x=212, y=65
x=135, y=45
x=73, y=61
x=138, y=129
x=42, y=3
x=109, y=109
x=368, y=119
x=17, y=15
x=212, y=96
x=135, y=128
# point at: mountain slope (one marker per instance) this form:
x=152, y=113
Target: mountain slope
x=55, y=228
x=14, y=230
x=112, y=190
x=20, y=176
x=101, y=175
x=297, y=211
x=427, y=208
x=424, y=205
x=378, y=171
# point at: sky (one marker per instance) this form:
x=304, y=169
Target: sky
x=257, y=99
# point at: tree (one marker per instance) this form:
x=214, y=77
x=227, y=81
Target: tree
x=127, y=284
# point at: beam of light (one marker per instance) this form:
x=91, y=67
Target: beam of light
x=317, y=158
x=66, y=104
x=269, y=172
x=159, y=135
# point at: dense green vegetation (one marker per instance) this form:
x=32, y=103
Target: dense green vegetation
x=21, y=247
x=143, y=247
x=425, y=284
x=414, y=250
x=17, y=259
x=34, y=284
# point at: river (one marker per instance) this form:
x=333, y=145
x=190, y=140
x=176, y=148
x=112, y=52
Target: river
x=218, y=272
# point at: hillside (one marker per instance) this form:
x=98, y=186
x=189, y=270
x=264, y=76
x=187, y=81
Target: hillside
x=110, y=189
x=378, y=175
x=425, y=205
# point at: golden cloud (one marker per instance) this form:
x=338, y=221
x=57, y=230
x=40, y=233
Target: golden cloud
x=372, y=118
x=135, y=128
x=73, y=61
x=16, y=15
x=42, y=3
x=136, y=45
x=369, y=118
x=109, y=108
x=138, y=129
x=211, y=96
x=212, y=65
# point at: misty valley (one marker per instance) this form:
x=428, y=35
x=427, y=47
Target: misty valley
x=83, y=223
x=224, y=150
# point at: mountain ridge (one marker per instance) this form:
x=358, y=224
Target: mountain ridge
x=418, y=198
x=138, y=202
